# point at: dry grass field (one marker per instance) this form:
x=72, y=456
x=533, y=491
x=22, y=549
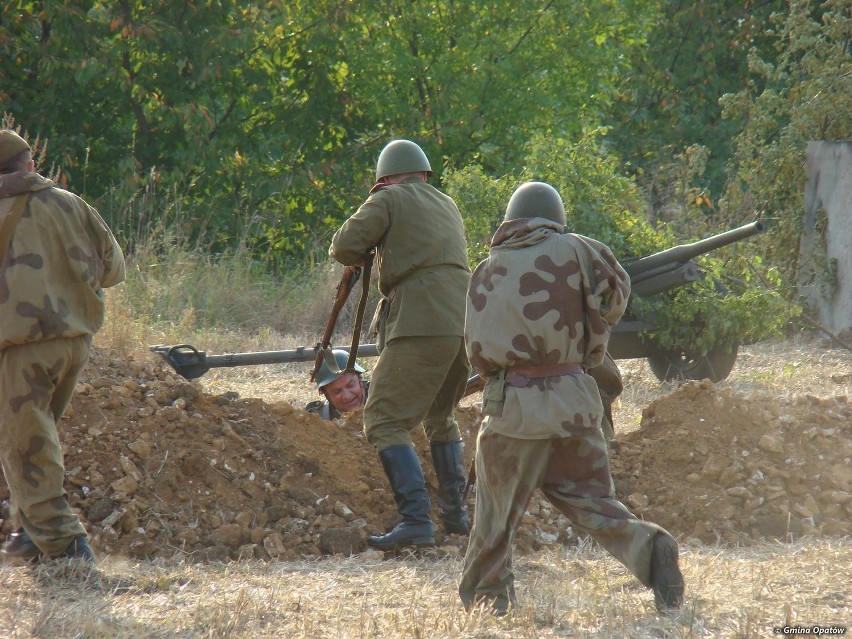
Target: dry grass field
x=564, y=591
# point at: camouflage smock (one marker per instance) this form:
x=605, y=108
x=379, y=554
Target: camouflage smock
x=61, y=256
x=421, y=257
x=544, y=297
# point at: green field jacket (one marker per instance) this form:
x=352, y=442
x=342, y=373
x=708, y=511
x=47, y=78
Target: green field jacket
x=421, y=257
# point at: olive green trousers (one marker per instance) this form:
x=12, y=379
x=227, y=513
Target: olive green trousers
x=416, y=380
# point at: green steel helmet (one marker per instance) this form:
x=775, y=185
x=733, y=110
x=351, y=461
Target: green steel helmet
x=326, y=376
x=536, y=199
x=401, y=156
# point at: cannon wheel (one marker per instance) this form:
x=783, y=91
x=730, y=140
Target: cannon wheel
x=671, y=365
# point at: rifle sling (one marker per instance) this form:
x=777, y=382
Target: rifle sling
x=7, y=227
x=359, y=316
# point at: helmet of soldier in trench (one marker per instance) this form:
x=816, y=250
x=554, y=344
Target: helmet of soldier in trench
x=401, y=156
x=536, y=199
x=326, y=376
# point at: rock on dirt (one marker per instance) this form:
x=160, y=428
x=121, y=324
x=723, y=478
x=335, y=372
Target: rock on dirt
x=156, y=467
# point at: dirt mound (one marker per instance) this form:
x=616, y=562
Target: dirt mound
x=719, y=465
x=158, y=468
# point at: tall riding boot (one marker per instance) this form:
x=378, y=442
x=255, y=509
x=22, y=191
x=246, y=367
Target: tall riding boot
x=412, y=501
x=448, y=458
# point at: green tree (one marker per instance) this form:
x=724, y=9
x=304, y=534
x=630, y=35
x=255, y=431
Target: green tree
x=261, y=122
x=474, y=80
x=669, y=99
x=801, y=93
x=228, y=108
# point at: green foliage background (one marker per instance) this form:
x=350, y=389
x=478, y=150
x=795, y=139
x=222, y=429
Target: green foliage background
x=264, y=119
x=252, y=129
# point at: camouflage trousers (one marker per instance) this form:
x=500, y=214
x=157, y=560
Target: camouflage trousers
x=574, y=474
x=37, y=382
x=416, y=380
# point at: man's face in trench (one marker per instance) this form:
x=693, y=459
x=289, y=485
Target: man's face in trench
x=346, y=393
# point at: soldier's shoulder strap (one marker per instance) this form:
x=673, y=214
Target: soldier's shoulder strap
x=7, y=226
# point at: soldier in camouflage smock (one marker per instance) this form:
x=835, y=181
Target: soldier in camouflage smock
x=539, y=312
x=421, y=256
x=60, y=257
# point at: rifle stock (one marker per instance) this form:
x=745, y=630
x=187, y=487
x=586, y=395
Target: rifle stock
x=347, y=283
x=475, y=383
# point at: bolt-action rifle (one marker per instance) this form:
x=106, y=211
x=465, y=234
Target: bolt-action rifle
x=350, y=277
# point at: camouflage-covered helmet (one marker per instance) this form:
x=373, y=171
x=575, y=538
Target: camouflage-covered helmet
x=401, y=156
x=326, y=376
x=536, y=199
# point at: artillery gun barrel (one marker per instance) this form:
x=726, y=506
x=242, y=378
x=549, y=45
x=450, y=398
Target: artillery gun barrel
x=688, y=268
x=190, y=363
x=666, y=279
x=677, y=255
x=301, y=354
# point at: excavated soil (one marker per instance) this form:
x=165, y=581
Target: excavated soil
x=717, y=465
x=160, y=467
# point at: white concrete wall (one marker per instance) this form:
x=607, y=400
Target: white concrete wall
x=829, y=192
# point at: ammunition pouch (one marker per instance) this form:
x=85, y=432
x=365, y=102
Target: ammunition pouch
x=494, y=395
x=610, y=386
x=608, y=378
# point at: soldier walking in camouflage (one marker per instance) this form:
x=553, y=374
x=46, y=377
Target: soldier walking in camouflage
x=539, y=312
x=57, y=256
x=422, y=370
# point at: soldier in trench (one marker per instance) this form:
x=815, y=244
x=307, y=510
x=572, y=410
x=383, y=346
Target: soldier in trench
x=343, y=392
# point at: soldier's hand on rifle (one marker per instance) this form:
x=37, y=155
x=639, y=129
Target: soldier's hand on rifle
x=366, y=258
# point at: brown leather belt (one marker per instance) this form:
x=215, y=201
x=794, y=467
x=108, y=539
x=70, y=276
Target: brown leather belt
x=520, y=376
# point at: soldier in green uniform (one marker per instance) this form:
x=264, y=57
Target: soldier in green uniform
x=60, y=257
x=343, y=392
x=422, y=370
x=539, y=313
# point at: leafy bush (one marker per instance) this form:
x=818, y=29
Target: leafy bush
x=802, y=96
x=607, y=206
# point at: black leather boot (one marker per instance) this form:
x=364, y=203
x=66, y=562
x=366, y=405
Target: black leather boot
x=79, y=548
x=412, y=501
x=19, y=546
x=448, y=458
